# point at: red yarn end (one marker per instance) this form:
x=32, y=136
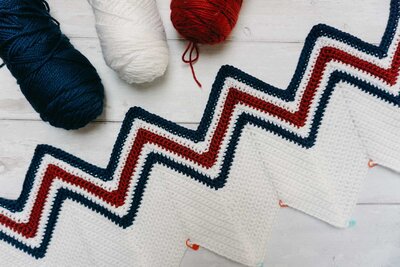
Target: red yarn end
x=192, y=47
x=203, y=22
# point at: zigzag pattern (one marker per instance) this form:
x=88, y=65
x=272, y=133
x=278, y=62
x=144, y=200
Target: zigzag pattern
x=206, y=154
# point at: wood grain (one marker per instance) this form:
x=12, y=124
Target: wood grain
x=299, y=240
x=272, y=21
x=175, y=96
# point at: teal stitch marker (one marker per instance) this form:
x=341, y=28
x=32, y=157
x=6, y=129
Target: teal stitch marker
x=352, y=223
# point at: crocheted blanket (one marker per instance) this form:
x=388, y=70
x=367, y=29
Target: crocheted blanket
x=219, y=185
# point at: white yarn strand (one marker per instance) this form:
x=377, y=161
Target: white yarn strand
x=132, y=38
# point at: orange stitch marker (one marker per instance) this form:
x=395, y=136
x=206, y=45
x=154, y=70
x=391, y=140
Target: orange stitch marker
x=371, y=164
x=282, y=205
x=195, y=247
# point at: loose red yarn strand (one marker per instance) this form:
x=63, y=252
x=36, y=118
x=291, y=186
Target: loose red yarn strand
x=203, y=22
x=192, y=47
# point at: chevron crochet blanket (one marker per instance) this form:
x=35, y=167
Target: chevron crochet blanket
x=219, y=185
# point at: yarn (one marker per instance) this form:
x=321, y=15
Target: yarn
x=57, y=80
x=203, y=22
x=132, y=38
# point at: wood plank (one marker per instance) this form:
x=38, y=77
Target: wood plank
x=174, y=96
x=299, y=240
x=94, y=144
x=382, y=186
x=272, y=21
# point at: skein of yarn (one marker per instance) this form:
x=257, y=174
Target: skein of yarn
x=57, y=80
x=132, y=38
x=203, y=22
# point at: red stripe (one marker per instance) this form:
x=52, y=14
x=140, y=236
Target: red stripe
x=207, y=159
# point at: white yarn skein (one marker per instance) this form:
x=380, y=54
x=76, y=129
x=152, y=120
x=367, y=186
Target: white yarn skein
x=132, y=37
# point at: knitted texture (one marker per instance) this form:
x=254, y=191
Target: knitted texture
x=219, y=185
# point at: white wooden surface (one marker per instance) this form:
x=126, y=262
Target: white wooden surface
x=266, y=43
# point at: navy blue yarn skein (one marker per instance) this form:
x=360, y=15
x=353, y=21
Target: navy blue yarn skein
x=58, y=81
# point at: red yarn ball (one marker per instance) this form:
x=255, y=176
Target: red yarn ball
x=205, y=21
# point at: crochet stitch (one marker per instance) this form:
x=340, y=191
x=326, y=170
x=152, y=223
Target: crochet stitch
x=220, y=185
